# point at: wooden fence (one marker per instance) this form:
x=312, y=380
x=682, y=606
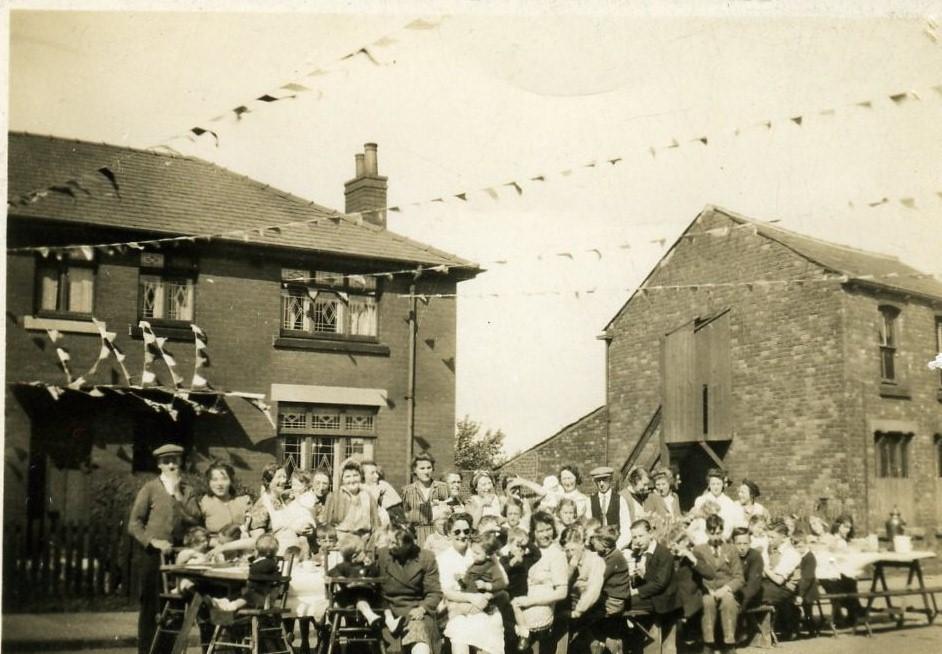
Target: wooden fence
x=64, y=565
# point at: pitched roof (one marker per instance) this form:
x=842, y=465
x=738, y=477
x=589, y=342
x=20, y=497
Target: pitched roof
x=572, y=425
x=174, y=195
x=860, y=266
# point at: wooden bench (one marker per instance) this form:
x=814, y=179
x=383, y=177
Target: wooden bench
x=761, y=619
x=871, y=595
x=657, y=629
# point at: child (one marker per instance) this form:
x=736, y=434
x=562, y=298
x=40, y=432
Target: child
x=295, y=521
x=616, y=588
x=257, y=590
x=357, y=564
x=195, y=548
x=759, y=538
x=326, y=545
x=438, y=541
x=484, y=575
x=229, y=534
x=488, y=524
x=552, y=493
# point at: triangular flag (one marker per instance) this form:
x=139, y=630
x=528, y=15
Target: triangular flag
x=909, y=203
x=491, y=192
x=796, y=120
x=516, y=187
x=462, y=196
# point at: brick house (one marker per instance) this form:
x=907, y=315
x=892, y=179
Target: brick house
x=350, y=360
x=817, y=388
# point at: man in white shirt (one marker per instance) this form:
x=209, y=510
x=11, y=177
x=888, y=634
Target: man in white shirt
x=608, y=507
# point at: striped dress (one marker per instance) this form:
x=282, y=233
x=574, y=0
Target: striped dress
x=418, y=509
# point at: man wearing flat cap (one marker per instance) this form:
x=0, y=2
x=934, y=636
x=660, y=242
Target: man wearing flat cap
x=162, y=510
x=608, y=507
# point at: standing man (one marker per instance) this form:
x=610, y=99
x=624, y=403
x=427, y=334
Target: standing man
x=719, y=593
x=637, y=486
x=608, y=507
x=163, y=509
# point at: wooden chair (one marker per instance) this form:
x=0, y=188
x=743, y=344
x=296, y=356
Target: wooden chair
x=262, y=629
x=344, y=625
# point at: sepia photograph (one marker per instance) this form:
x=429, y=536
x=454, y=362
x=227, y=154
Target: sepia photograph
x=472, y=326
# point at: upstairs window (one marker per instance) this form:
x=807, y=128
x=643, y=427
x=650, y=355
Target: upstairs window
x=66, y=287
x=328, y=304
x=889, y=338
x=166, y=288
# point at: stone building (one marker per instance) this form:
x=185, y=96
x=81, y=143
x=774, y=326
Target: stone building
x=348, y=359
x=795, y=362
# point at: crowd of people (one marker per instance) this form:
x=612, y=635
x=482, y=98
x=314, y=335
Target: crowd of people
x=514, y=565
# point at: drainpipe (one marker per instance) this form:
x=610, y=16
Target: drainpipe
x=410, y=389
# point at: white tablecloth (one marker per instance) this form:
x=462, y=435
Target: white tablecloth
x=307, y=595
x=851, y=563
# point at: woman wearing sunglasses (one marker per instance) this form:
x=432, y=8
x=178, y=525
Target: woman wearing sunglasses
x=468, y=623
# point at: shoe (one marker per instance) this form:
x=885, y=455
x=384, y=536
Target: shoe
x=393, y=624
x=523, y=644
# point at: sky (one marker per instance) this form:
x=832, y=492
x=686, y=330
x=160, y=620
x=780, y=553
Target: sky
x=484, y=98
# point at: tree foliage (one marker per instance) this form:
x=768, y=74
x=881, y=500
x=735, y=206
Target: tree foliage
x=476, y=451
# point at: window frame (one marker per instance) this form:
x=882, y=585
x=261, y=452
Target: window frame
x=62, y=268
x=299, y=283
x=888, y=342
x=892, y=456
x=175, y=269
x=299, y=443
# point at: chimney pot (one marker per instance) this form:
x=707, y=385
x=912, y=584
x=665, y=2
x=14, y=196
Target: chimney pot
x=366, y=193
x=372, y=167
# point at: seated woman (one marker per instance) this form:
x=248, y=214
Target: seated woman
x=846, y=611
x=544, y=604
x=222, y=507
x=409, y=584
x=469, y=625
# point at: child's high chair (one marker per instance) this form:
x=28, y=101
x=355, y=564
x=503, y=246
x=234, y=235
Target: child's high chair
x=258, y=630
x=344, y=625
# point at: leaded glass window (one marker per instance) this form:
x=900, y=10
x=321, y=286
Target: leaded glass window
x=166, y=298
x=322, y=302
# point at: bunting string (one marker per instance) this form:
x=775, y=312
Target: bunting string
x=518, y=186
x=758, y=284
x=154, y=348
x=289, y=90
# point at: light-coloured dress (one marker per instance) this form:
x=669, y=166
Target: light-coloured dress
x=484, y=631
x=548, y=572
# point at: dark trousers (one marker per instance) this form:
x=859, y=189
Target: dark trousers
x=147, y=563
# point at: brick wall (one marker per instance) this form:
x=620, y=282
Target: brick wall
x=237, y=303
x=786, y=350
x=581, y=444
x=918, y=410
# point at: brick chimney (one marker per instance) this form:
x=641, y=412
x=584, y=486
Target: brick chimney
x=367, y=191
